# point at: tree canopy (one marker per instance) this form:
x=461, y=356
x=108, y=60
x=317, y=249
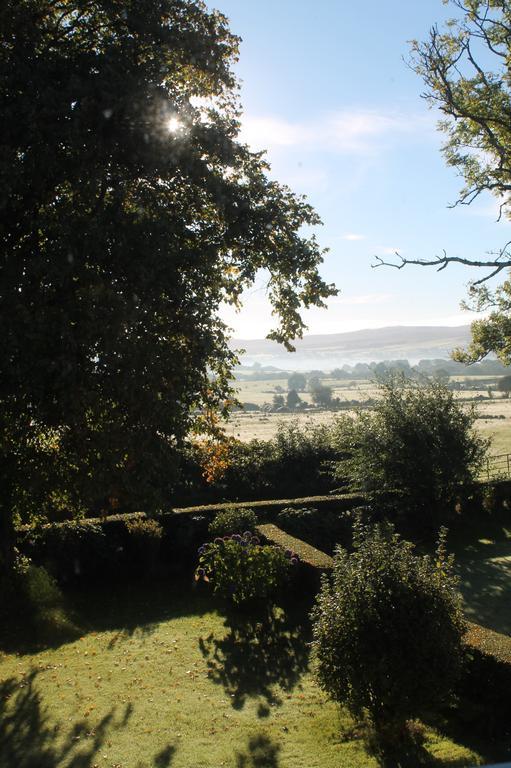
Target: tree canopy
x=129, y=211
x=465, y=68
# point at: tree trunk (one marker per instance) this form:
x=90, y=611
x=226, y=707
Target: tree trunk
x=7, y=534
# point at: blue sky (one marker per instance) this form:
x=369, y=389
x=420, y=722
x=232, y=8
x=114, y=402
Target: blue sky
x=326, y=91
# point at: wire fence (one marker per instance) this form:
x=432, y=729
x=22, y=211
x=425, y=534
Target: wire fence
x=497, y=466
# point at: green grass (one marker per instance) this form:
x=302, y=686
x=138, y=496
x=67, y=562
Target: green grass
x=483, y=562
x=158, y=677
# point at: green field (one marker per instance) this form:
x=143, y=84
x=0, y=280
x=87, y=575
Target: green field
x=160, y=678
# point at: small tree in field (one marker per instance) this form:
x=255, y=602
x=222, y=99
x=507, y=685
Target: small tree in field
x=293, y=398
x=504, y=385
x=297, y=382
x=418, y=441
x=387, y=631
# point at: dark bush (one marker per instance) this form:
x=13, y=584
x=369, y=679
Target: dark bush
x=143, y=548
x=233, y=520
x=388, y=630
x=31, y=601
x=70, y=551
x=293, y=463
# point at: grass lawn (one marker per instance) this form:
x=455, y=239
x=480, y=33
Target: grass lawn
x=158, y=677
x=483, y=562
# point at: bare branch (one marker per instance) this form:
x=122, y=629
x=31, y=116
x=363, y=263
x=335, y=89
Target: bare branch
x=501, y=261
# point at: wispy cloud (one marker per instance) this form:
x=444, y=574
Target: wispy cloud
x=352, y=236
x=354, y=131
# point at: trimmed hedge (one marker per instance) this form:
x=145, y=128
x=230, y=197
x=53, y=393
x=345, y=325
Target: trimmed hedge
x=77, y=551
x=485, y=689
x=308, y=555
x=271, y=507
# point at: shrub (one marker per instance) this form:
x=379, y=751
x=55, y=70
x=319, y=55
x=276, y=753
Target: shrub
x=233, y=520
x=388, y=631
x=242, y=569
x=293, y=463
x=32, y=600
x=144, y=543
x=418, y=441
x=70, y=550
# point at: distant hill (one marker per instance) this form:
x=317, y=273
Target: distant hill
x=327, y=351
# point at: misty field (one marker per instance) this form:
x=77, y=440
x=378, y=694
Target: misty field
x=494, y=413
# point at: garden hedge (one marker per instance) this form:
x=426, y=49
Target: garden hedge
x=485, y=689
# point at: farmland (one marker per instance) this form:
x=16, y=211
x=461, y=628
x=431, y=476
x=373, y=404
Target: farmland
x=494, y=413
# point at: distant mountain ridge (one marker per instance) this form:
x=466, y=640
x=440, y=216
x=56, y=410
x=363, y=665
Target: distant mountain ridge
x=373, y=344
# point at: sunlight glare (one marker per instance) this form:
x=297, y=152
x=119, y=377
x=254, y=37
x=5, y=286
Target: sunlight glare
x=173, y=125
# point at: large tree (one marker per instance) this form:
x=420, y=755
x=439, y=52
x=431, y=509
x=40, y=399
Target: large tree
x=466, y=70
x=129, y=212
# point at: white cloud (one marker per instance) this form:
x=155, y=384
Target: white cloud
x=351, y=131
x=352, y=236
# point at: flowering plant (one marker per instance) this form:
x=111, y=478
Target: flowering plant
x=242, y=569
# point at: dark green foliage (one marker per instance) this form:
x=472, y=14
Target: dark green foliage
x=388, y=630
x=233, y=520
x=70, y=550
x=130, y=211
x=144, y=544
x=417, y=441
x=242, y=570
x=31, y=602
x=321, y=528
x=293, y=463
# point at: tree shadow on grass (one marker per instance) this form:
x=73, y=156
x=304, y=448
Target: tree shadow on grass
x=30, y=739
x=261, y=752
x=259, y=652
x=485, y=583
x=409, y=751
x=129, y=609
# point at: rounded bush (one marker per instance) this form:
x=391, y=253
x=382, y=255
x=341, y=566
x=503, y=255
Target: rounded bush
x=388, y=630
x=242, y=569
x=233, y=520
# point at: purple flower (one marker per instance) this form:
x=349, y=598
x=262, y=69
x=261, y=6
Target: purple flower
x=247, y=534
x=255, y=540
x=289, y=553
x=294, y=561
x=236, y=537
x=218, y=540
x=200, y=571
